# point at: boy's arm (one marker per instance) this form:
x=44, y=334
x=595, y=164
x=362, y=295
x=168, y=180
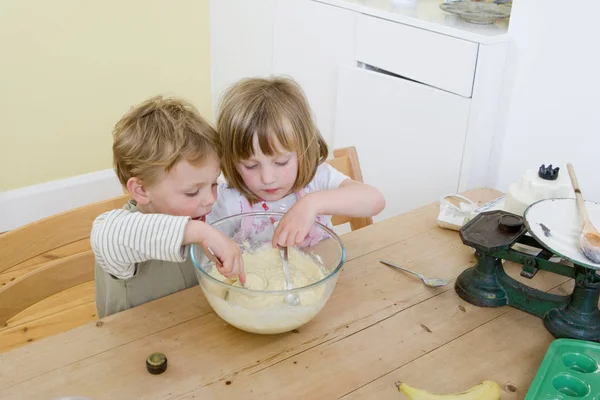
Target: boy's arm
x=121, y=238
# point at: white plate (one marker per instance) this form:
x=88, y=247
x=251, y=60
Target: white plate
x=557, y=225
x=477, y=12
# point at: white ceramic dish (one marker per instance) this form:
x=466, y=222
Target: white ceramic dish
x=477, y=12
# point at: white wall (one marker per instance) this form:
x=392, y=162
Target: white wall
x=551, y=100
x=241, y=42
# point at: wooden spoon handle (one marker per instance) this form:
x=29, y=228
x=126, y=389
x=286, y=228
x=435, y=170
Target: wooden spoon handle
x=578, y=196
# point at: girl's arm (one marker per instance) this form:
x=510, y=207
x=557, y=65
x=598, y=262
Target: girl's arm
x=350, y=198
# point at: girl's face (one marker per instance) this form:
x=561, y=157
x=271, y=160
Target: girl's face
x=269, y=177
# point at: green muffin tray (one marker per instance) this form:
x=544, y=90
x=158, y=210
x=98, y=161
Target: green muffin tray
x=570, y=370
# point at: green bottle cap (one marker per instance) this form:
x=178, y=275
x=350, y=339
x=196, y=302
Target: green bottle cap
x=156, y=363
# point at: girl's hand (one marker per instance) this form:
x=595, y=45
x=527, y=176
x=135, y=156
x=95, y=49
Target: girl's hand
x=295, y=225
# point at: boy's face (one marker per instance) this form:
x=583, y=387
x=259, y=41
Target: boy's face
x=269, y=177
x=186, y=190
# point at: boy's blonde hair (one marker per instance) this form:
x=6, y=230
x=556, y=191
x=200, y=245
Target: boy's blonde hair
x=153, y=136
x=275, y=110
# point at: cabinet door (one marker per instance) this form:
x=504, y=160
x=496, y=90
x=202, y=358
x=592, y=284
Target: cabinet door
x=241, y=41
x=310, y=41
x=409, y=136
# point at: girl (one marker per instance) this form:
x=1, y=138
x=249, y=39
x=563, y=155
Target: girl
x=273, y=159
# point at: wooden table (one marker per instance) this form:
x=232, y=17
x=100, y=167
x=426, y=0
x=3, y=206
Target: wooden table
x=380, y=326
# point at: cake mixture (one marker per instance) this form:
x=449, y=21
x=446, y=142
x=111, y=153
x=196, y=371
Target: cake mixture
x=263, y=312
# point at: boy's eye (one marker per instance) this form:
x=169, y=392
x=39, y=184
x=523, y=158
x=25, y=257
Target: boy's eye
x=215, y=184
x=282, y=163
x=192, y=194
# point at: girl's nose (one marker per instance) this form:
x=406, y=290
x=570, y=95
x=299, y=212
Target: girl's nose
x=267, y=176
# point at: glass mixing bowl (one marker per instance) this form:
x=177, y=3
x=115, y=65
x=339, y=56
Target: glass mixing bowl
x=266, y=311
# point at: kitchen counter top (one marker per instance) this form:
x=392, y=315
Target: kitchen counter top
x=426, y=14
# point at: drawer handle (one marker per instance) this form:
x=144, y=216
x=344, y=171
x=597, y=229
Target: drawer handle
x=378, y=70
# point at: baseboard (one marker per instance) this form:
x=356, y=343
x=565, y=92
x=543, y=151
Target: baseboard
x=24, y=205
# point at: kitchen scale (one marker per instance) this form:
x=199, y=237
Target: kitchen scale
x=550, y=228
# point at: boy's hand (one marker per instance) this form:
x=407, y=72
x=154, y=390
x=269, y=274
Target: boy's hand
x=229, y=254
x=295, y=225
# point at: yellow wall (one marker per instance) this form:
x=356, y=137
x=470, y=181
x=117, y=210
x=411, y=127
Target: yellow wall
x=70, y=68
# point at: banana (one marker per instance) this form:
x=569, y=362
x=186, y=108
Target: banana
x=486, y=390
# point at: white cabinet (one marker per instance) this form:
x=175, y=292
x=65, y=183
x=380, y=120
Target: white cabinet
x=417, y=94
x=409, y=136
x=310, y=41
x=241, y=34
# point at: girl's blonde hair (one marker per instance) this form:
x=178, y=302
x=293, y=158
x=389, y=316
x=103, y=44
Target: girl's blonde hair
x=277, y=112
x=153, y=136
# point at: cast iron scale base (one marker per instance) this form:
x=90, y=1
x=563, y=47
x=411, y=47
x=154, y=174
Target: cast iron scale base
x=492, y=235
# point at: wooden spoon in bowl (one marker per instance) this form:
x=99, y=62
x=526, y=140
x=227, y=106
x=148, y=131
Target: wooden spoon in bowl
x=589, y=240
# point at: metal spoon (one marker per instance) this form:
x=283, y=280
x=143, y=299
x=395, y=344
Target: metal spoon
x=291, y=299
x=433, y=282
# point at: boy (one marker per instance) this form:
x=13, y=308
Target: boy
x=167, y=157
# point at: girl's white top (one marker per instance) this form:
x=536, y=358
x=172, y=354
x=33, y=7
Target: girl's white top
x=230, y=201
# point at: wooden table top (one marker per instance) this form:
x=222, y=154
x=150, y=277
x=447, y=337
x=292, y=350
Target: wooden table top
x=380, y=326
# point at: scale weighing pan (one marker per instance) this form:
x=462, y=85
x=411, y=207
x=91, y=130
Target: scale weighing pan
x=556, y=224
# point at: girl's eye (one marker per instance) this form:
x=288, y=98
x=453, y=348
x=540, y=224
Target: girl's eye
x=192, y=194
x=215, y=184
x=251, y=166
x=282, y=164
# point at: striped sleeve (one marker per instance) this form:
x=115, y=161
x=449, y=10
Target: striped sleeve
x=121, y=238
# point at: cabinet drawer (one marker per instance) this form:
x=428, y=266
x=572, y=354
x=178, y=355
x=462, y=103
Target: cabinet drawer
x=437, y=60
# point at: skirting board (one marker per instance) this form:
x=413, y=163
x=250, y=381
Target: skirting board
x=24, y=205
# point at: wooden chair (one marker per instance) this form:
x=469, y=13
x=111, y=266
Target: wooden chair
x=47, y=256
x=345, y=160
